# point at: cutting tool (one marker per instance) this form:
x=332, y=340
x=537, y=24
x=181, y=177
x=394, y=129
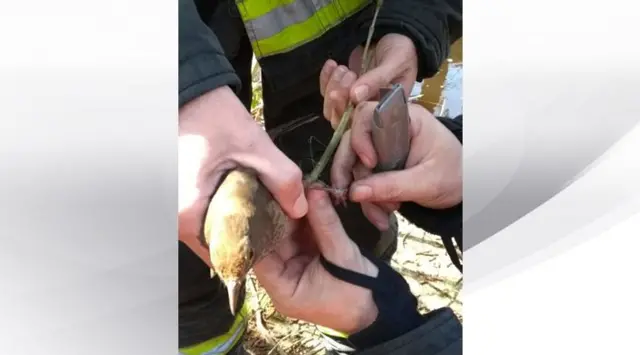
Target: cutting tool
x=390, y=129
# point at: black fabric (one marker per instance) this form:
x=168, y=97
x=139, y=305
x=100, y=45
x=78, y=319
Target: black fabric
x=446, y=223
x=203, y=65
x=397, y=307
x=399, y=329
x=439, y=334
x=454, y=125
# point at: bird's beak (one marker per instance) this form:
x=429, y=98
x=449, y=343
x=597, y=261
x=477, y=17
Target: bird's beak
x=233, y=288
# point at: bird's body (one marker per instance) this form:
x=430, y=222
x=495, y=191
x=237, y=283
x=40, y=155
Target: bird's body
x=243, y=224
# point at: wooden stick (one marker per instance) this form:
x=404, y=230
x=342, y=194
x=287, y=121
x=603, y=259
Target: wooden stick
x=345, y=120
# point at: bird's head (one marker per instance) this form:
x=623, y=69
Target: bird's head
x=231, y=262
x=230, y=253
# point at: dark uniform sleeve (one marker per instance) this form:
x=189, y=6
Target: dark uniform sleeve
x=446, y=223
x=440, y=334
x=202, y=65
x=432, y=24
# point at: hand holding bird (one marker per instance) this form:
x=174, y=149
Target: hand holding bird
x=243, y=224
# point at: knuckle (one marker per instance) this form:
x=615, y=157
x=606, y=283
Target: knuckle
x=390, y=192
x=359, y=141
x=338, y=73
x=348, y=79
x=247, y=139
x=291, y=180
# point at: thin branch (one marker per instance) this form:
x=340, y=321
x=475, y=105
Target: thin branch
x=345, y=120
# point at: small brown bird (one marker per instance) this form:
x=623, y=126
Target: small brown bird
x=243, y=224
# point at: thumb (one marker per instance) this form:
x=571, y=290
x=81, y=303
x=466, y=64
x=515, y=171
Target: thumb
x=328, y=232
x=388, y=69
x=369, y=84
x=394, y=186
x=281, y=176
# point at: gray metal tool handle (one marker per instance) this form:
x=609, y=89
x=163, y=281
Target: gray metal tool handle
x=390, y=129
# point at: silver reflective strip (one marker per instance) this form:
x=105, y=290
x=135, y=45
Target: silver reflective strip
x=282, y=17
x=226, y=346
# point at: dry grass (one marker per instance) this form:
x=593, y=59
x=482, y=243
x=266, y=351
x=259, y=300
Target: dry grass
x=420, y=258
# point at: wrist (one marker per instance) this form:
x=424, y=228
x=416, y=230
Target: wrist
x=395, y=311
x=366, y=314
x=215, y=105
x=217, y=116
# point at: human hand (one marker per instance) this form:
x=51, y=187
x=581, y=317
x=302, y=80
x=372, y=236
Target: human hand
x=433, y=171
x=300, y=287
x=216, y=134
x=394, y=60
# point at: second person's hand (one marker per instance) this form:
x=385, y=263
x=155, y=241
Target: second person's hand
x=394, y=60
x=299, y=285
x=432, y=176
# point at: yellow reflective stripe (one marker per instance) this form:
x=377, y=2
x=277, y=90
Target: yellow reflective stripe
x=284, y=16
x=222, y=344
x=251, y=9
x=332, y=332
x=298, y=34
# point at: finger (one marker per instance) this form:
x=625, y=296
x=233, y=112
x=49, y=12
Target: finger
x=361, y=172
x=189, y=227
x=396, y=186
x=390, y=207
x=337, y=95
x=344, y=160
x=355, y=59
x=339, y=98
x=361, y=141
x=376, y=215
x=370, y=83
x=269, y=271
x=278, y=173
x=396, y=61
x=328, y=231
x=332, y=85
x=337, y=103
x=345, y=85
x=325, y=74
x=289, y=247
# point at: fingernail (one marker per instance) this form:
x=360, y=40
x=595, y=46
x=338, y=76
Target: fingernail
x=300, y=206
x=367, y=161
x=380, y=218
x=361, y=193
x=361, y=93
